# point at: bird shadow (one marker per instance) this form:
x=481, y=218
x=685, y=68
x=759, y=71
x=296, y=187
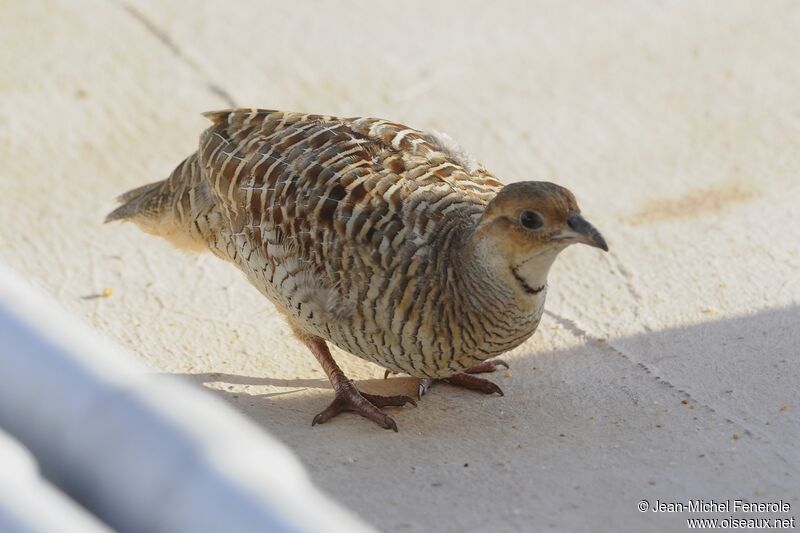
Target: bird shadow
x=238, y=379
x=388, y=387
x=706, y=406
x=715, y=363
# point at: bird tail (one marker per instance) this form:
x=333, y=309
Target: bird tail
x=168, y=208
x=144, y=201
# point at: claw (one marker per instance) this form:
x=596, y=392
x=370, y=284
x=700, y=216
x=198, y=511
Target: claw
x=486, y=366
x=386, y=374
x=388, y=401
x=424, y=385
x=467, y=381
x=366, y=405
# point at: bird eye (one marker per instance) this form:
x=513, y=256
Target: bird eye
x=530, y=220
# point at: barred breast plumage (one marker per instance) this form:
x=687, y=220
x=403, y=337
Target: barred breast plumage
x=363, y=232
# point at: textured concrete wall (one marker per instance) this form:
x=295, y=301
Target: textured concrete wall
x=666, y=369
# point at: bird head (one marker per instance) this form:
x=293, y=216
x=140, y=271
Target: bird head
x=526, y=226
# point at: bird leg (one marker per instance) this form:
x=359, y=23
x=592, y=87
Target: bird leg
x=348, y=397
x=467, y=380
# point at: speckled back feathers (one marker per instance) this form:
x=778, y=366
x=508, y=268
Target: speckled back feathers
x=349, y=226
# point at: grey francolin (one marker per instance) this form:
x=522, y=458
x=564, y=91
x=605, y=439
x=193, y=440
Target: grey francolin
x=389, y=242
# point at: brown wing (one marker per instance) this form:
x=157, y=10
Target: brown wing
x=351, y=195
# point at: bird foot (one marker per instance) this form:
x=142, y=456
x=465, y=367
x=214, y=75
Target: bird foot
x=467, y=380
x=348, y=398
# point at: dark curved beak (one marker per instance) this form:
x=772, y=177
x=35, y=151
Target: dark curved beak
x=582, y=231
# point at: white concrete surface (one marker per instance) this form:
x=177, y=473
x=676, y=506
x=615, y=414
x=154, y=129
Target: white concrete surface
x=667, y=369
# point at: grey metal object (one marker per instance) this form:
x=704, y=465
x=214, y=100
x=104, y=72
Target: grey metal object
x=29, y=503
x=142, y=452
